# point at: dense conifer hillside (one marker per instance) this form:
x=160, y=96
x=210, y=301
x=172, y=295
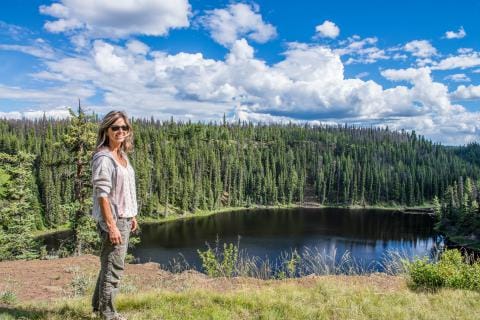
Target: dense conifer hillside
x=458, y=213
x=190, y=166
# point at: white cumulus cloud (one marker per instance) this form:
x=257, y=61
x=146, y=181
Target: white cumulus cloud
x=107, y=60
x=327, y=29
x=466, y=93
x=62, y=25
x=452, y=129
x=237, y=21
x=420, y=48
x=426, y=94
x=137, y=47
x=458, y=77
x=58, y=113
x=462, y=61
x=307, y=85
x=361, y=50
x=456, y=35
x=117, y=19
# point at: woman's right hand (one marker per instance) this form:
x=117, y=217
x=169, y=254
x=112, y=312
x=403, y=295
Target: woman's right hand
x=115, y=235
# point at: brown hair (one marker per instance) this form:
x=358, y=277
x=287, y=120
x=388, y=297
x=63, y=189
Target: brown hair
x=108, y=120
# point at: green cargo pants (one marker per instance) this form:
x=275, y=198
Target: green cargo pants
x=112, y=260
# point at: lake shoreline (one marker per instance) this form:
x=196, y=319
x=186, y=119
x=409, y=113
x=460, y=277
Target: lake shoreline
x=426, y=209
x=462, y=242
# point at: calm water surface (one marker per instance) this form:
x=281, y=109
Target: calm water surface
x=366, y=234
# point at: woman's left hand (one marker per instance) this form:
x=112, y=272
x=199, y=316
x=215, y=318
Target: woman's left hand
x=134, y=224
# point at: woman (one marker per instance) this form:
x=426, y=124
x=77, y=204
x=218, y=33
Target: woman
x=114, y=206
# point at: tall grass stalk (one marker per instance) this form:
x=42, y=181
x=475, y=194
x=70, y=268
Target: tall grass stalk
x=229, y=261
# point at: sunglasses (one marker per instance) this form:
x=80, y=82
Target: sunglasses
x=116, y=128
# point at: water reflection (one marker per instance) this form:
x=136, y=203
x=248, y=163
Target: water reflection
x=367, y=234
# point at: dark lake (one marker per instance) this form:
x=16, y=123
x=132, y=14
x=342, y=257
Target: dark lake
x=367, y=234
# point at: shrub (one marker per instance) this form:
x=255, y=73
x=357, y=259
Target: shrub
x=218, y=264
x=451, y=271
x=424, y=274
x=80, y=283
x=454, y=270
x=290, y=266
x=8, y=297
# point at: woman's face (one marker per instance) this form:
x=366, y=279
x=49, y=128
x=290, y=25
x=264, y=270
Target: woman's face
x=117, y=132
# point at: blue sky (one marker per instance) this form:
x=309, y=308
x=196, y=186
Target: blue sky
x=411, y=65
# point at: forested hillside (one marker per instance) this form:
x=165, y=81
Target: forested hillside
x=471, y=152
x=190, y=166
x=459, y=213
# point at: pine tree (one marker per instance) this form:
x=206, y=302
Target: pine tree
x=18, y=207
x=437, y=208
x=79, y=140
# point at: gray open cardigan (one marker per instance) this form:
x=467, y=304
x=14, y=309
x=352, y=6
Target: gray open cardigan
x=104, y=181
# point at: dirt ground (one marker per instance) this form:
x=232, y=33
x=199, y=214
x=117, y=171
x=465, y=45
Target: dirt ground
x=59, y=278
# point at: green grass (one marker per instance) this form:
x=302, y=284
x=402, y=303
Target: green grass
x=8, y=297
x=323, y=298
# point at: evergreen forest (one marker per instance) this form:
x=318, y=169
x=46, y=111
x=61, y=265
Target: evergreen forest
x=459, y=214
x=186, y=167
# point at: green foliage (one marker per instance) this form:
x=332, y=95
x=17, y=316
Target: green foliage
x=18, y=208
x=79, y=140
x=80, y=284
x=43, y=253
x=4, y=178
x=8, y=297
x=218, y=263
x=88, y=240
x=209, y=262
x=437, y=207
x=291, y=266
x=425, y=274
x=451, y=271
x=459, y=214
x=132, y=242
